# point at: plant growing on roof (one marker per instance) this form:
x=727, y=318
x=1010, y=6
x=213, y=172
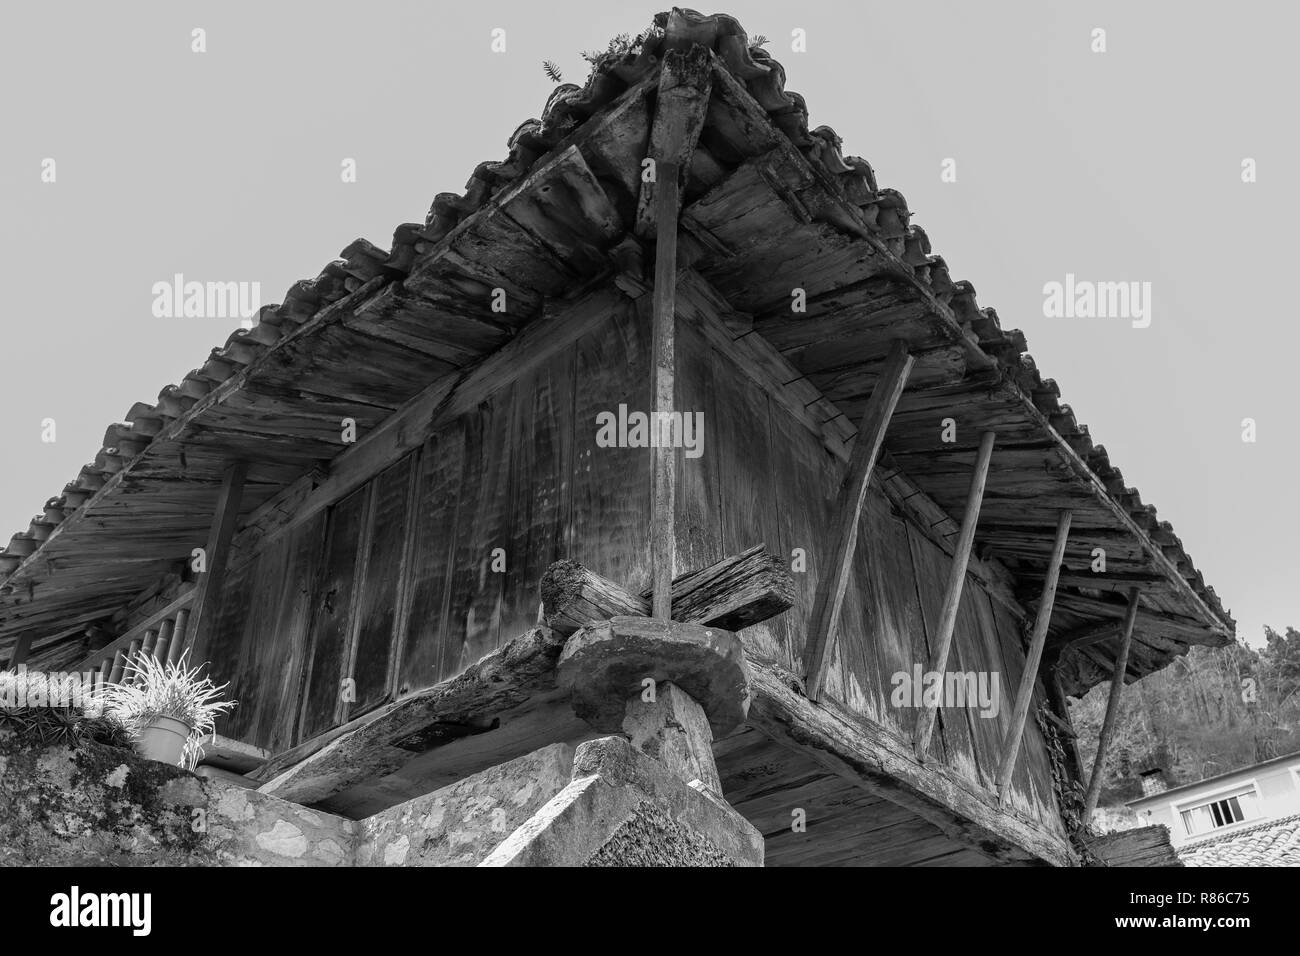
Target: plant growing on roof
x=167, y=708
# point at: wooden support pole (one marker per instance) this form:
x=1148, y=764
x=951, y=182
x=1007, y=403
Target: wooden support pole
x=179, y=636
x=663, y=538
x=22, y=648
x=1028, y=677
x=956, y=583
x=165, y=631
x=119, y=665
x=1112, y=708
x=150, y=640
x=834, y=578
x=128, y=660
x=106, y=668
x=207, y=596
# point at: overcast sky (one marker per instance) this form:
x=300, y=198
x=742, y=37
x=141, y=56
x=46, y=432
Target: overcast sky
x=1116, y=166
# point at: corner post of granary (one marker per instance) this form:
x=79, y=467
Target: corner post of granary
x=956, y=583
x=681, y=103
x=1025, y=692
x=834, y=580
x=1112, y=707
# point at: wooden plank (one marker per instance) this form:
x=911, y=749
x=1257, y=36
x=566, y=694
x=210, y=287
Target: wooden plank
x=332, y=614
x=377, y=600
x=208, y=590
x=611, y=485
x=540, y=493
x=956, y=581
x=1112, y=708
x=699, y=483
x=892, y=608
x=438, y=505
x=848, y=510
x=1025, y=692
x=478, y=578
x=740, y=433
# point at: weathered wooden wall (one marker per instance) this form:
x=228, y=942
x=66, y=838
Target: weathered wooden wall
x=394, y=585
x=764, y=477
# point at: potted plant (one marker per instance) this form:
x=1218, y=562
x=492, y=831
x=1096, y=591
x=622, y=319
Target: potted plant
x=166, y=707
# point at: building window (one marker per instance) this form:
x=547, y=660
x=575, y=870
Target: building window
x=1223, y=812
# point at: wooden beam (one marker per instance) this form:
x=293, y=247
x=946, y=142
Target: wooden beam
x=1082, y=637
x=885, y=765
x=663, y=534
x=735, y=592
x=1112, y=708
x=384, y=740
x=834, y=579
x=956, y=583
x=1025, y=693
x=681, y=105
x=203, y=613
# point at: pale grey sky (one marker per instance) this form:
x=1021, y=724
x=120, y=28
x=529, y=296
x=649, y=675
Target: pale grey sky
x=1115, y=166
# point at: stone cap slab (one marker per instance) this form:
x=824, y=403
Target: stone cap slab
x=605, y=665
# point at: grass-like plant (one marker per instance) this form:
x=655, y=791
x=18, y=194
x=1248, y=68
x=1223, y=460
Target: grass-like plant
x=152, y=689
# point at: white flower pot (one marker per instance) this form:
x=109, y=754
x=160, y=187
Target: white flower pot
x=164, y=740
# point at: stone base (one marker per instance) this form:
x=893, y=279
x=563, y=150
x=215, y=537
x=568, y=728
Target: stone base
x=624, y=808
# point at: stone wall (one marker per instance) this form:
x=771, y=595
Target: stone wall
x=607, y=805
x=95, y=805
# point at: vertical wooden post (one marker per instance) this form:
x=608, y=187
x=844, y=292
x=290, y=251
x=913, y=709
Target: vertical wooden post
x=130, y=658
x=834, y=578
x=179, y=635
x=1112, y=708
x=164, y=641
x=150, y=640
x=1025, y=693
x=207, y=595
x=956, y=583
x=663, y=540
x=119, y=665
x=22, y=647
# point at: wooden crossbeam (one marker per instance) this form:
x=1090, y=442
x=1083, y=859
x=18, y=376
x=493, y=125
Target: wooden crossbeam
x=735, y=592
x=834, y=579
x=1112, y=708
x=1025, y=692
x=956, y=583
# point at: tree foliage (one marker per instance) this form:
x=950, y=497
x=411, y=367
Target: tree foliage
x=1211, y=711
